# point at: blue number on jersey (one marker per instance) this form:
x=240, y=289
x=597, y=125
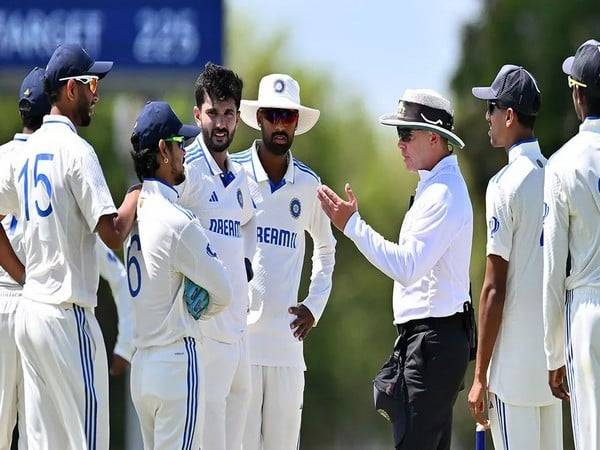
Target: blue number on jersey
x=132, y=261
x=38, y=177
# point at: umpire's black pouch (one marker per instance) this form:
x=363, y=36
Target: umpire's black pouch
x=470, y=328
x=389, y=389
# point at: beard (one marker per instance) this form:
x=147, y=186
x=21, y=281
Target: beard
x=217, y=147
x=179, y=178
x=83, y=112
x=275, y=147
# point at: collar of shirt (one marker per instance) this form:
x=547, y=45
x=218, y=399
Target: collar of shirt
x=448, y=161
x=21, y=137
x=259, y=171
x=160, y=187
x=212, y=165
x=591, y=123
x=56, y=119
x=525, y=147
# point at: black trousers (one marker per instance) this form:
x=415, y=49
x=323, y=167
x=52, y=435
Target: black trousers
x=435, y=360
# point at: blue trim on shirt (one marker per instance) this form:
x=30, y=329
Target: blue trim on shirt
x=592, y=118
x=522, y=141
x=163, y=182
x=20, y=139
x=276, y=186
x=306, y=170
x=62, y=123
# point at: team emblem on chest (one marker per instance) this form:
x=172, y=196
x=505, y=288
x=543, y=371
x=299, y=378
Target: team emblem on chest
x=295, y=208
x=240, y=198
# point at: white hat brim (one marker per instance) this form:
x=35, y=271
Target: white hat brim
x=392, y=120
x=307, y=117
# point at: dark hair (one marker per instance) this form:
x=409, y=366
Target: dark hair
x=145, y=160
x=526, y=120
x=50, y=92
x=219, y=84
x=31, y=122
x=592, y=101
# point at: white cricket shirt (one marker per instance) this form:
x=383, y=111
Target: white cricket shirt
x=222, y=203
x=167, y=243
x=430, y=262
x=514, y=213
x=571, y=231
x=56, y=188
x=113, y=271
x=12, y=226
x=284, y=212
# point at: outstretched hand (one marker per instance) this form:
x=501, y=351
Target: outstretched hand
x=337, y=209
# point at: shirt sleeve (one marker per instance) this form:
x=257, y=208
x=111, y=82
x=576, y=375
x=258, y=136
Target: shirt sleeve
x=195, y=259
x=9, y=199
x=500, y=222
x=556, y=250
x=432, y=229
x=248, y=220
x=89, y=187
x=323, y=261
x=113, y=271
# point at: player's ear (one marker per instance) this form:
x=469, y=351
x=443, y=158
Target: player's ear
x=163, y=150
x=71, y=89
x=197, y=112
x=259, y=117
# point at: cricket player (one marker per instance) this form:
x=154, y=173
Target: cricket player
x=572, y=254
x=285, y=193
x=216, y=191
x=172, y=271
x=523, y=413
x=54, y=184
x=33, y=105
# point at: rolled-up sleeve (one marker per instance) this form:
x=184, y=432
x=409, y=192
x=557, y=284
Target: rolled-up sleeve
x=432, y=228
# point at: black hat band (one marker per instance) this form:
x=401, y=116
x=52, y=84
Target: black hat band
x=415, y=112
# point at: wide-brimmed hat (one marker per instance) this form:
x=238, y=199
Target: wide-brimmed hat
x=424, y=109
x=283, y=92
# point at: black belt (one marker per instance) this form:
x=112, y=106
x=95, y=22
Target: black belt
x=428, y=323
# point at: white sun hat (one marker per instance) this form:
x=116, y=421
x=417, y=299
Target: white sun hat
x=424, y=109
x=283, y=92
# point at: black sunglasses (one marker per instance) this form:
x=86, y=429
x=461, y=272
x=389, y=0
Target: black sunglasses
x=285, y=116
x=492, y=105
x=405, y=134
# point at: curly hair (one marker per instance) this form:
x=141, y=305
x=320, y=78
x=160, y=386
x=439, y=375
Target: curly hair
x=219, y=84
x=145, y=161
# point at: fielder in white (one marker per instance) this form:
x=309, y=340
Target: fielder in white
x=572, y=254
x=285, y=193
x=56, y=188
x=174, y=279
x=216, y=191
x=510, y=363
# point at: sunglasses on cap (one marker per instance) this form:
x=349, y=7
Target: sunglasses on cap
x=573, y=82
x=285, y=116
x=90, y=80
x=405, y=134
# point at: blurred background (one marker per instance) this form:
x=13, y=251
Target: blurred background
x=353, y=60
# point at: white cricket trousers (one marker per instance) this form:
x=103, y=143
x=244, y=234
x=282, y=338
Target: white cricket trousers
x=227, y=374
x=11, y=375
x=582, y=327
x=517, y=427
x=167, y=389
x=275, y=409
x=65, y=377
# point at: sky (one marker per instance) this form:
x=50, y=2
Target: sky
x=376, y=48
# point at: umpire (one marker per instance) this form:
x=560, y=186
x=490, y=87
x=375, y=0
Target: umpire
x=430, y=269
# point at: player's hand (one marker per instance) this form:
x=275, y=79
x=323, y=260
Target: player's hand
x=476, y=401
x=338, y=210
x=118, y=365
x=303, y=322
x=556, y=380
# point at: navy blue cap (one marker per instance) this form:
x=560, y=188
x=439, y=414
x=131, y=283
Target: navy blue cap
x=33, y=101
x=585, y=65
x=70, y=60
x=514, y=87
x=158, y=121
